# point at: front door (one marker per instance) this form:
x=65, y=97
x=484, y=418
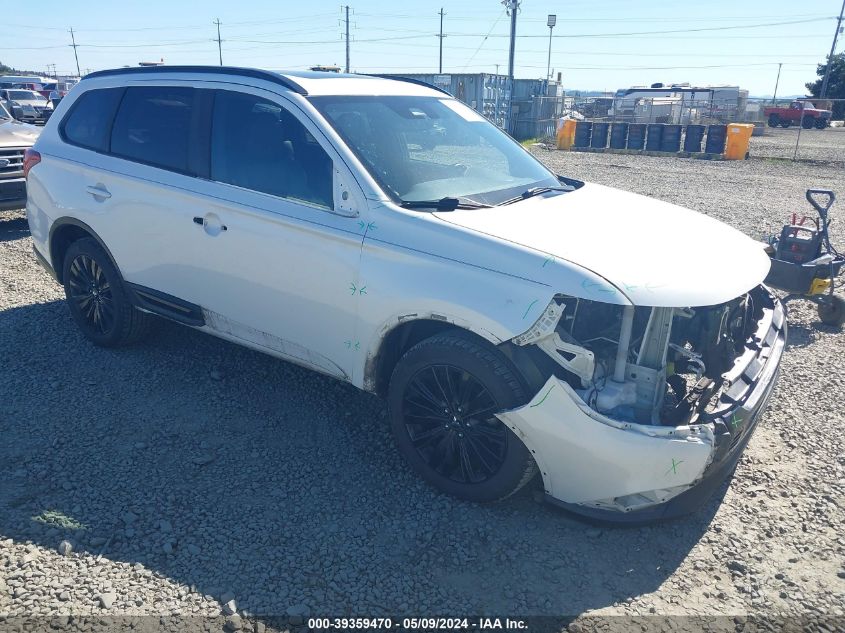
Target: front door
x=278, y=263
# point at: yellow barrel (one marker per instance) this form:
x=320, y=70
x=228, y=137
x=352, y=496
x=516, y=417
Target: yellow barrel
x=566, y=134
x=739, y=136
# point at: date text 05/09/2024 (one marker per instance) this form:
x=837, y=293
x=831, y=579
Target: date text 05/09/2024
x=417, y=624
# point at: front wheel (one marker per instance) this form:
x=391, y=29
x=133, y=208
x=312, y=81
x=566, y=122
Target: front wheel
x=821, y=124
x=807, y=122
x=443, y=397
x=97, y=298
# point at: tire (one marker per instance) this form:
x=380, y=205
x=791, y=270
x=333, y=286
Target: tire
x=833, y=313
x=785, y=123
x=807, y=122
x=475, y=458
x=820, y=124
x=774, y=120
x=97, y=298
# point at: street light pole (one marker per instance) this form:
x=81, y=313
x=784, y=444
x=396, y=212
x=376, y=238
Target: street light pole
x=832, y=51
x=551, y=24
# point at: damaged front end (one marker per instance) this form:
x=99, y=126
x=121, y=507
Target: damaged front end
x=640, y=412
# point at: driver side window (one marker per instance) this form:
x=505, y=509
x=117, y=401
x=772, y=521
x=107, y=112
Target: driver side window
x=257, y=144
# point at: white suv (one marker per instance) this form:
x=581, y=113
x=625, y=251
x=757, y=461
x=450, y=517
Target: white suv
x=383, y=233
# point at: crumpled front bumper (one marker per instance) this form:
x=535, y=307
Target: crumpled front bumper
x=613, y=471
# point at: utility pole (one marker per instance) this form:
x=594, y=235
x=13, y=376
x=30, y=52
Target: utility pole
x=832, y=51
x=441, y=36
x=219, y=41
x=551, y=24
x=75, y=56
x=513, y=7
x=347, y=37
x=777, y=81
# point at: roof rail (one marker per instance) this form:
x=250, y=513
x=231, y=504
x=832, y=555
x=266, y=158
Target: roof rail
x=255, y=73
x=418, y=82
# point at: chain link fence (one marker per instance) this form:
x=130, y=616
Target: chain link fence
x=802, y=130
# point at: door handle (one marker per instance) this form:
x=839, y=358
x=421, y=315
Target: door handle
x=211, y=223
x=99, y=191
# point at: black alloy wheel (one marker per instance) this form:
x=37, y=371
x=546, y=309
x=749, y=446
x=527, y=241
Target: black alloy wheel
x=92, y=293
x=443, y=398
x=449, y=417
x=98, y=300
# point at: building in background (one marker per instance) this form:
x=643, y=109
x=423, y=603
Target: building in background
x=535, y=107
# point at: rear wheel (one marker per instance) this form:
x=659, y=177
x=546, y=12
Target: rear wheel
x=97, y=298
x=774, y=120
x=443, y=397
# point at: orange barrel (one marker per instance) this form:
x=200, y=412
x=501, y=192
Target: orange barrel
x=739, y=136
x=566, y=134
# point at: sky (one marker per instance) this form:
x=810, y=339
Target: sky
x=596, y=44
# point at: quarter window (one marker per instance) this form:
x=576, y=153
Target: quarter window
x=259, y=145
x=89, y=121
x=153, y=126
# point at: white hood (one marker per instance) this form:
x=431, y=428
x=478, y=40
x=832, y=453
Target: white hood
x=655, y=253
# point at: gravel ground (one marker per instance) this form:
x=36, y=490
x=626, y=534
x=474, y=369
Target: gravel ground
x=826, y=145
x=186, y=473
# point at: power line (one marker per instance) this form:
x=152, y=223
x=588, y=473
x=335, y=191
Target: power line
x=697, y=30
x=485, y=39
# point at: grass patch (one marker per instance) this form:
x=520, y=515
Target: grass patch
x=58, y=519
x=531, y=141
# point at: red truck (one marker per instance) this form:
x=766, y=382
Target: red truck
x=803, y=111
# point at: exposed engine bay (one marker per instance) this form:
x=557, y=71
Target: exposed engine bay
x=645, y=365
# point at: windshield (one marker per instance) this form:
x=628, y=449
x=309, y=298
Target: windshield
x=430, y=148
x=24, y=95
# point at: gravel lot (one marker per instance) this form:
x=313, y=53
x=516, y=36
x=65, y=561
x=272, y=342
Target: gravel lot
x=188, y=472
x=814, y=145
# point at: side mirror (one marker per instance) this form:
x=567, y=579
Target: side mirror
x=17, y=112
x=346, y=201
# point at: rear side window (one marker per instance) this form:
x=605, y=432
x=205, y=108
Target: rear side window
x=153, y=126
x=89, y=122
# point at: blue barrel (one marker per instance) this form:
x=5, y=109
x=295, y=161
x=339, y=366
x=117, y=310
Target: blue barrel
x=599, y=138
x=671, y=141
x=618, y=135
x=654, y=137
x=583, y=129
x=716, y=136
x=693, y=138
x=636, y=136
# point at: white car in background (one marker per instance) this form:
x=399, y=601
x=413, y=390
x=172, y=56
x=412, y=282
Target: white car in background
x=381, y=232
x=35, y=107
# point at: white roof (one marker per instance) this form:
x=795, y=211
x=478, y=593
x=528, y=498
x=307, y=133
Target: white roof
x=327, y=83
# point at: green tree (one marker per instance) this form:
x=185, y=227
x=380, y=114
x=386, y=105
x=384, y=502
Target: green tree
x=8, y=70
x=835, y=84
